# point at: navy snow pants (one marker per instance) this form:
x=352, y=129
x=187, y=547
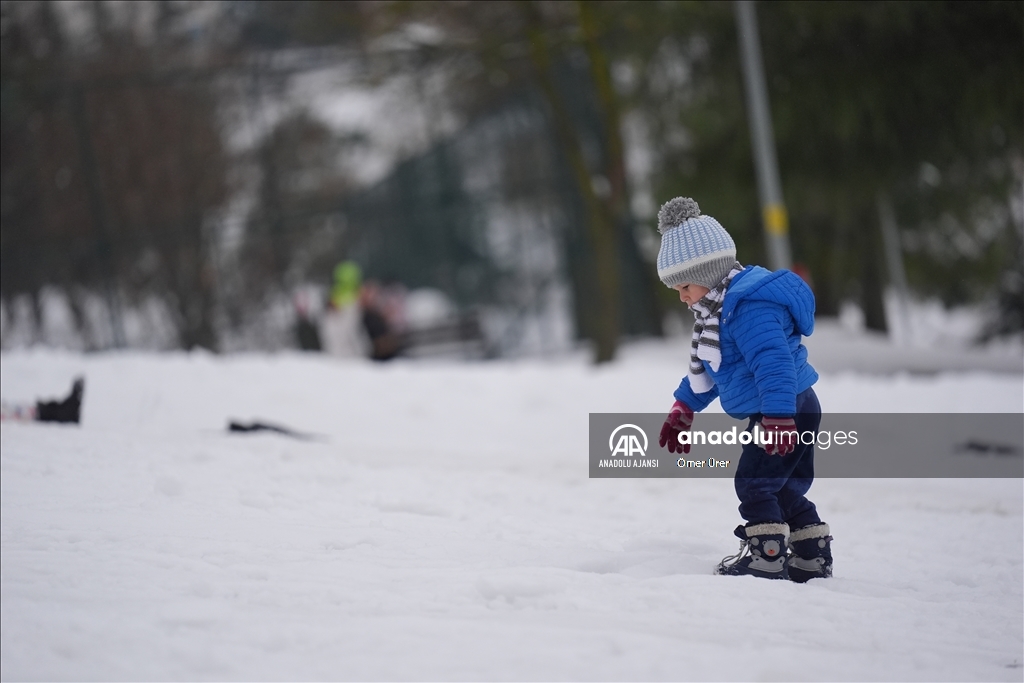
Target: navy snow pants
x=772, y=488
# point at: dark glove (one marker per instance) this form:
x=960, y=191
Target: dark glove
x=783, y=433
x=679, y=419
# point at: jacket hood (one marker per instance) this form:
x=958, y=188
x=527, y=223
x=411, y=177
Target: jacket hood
x=781, y=287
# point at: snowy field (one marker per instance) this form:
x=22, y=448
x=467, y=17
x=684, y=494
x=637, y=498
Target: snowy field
x=445, y=529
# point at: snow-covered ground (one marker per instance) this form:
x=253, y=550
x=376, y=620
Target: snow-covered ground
x=445, y=528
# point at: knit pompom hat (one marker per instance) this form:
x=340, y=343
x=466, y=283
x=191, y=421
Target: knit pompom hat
x=695, y=249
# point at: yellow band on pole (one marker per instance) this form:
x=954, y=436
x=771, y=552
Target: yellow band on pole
x=776, y=221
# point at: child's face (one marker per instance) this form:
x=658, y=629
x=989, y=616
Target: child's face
x=690, y=294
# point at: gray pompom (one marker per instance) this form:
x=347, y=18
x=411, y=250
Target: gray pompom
x=675, y=211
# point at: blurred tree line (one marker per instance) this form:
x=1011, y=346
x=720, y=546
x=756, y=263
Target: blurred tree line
x=144, y=156
x=113, y=165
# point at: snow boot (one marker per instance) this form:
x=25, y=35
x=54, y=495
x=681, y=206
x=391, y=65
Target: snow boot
x=812, y=553
x=762, y=552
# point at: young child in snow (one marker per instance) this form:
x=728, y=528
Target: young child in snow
x=746, y=350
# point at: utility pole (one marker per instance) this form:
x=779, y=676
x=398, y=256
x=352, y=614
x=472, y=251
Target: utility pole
x=769, y=188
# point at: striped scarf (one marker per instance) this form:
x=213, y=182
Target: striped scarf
x=705, y=334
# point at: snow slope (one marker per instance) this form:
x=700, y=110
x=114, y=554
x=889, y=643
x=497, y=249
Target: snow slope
x=445, y=528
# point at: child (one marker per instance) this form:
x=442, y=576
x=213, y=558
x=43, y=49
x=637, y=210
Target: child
x=746, y=351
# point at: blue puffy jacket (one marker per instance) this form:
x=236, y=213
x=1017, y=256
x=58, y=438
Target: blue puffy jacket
x=764, y=365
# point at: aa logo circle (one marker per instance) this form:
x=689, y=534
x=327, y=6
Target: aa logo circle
x=628, y=441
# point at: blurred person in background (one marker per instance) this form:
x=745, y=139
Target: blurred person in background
x=746, y=350
x=340, y=327
x=378, y=311
x=392, y=297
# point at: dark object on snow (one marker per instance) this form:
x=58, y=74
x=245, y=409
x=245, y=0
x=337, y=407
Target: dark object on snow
x=989, y=448
x=68, y=410
x=241, y=427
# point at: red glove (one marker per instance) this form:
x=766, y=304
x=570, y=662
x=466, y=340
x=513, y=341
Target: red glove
x=783, y=433
x=679, y=419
